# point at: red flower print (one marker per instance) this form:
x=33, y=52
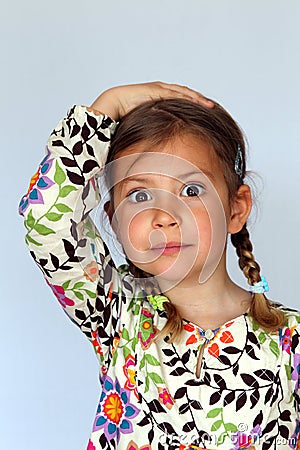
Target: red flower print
x=214, y=350
x=226, y=337
x=165, y=398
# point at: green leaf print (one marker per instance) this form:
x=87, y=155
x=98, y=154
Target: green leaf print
x=29, y=239
x=288, y=371
x=78, y=285
x=30, y=221
x=43, y=230
x=262, y=337
x=65, y=285
x=255, y=325
x=214, y=412
x=216, y=425
x=91, y=294
x=59, y=176
x=230, y=427
x=147, y=383
x=61, y=207
x=274, y=348
x=155, y=378
x=66, y=191
x=79, y=295
x=151, y=360
x=222, y=438
x=126, y=352
x=125, y=334
x=53, y=217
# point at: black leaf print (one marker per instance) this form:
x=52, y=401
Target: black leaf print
x=102, y=137
x=106, y=122
x=68, y=162
x=89, y=165
x=269, y=394
x=189, y=426
x=43, y=262
x=252, y=338
x=128, y=286
x=172, y=362
x=75, y=178
x=268, y=443
x=295, y=342
x=85, y=132
x=184, y=408
x=75, y=130
x=285, y=416
x=181, y=392
x=145, y=421
x=249, y=380
x=74, y=230
x=193, y=383
x=224, y=360
x=69, y=248
x=258, y=419
x=231, y=350
x=177, y=372
x=220, y=381
x=206, y=378
x=54, y=260
x=92, y=121
x=57, y=143
x=151, y=436
x=254, y=397
x=214, y=398
x=76, y=258
x=265, y=374
x=90, y=150
x=240, y=401
x=80, y=314
x=64, y=267
x=85, y=191
x=33, y=255
x=284, y=431
x=160, y=446
x=82, y=243
x=168, y=351
x=107, y=274
x=166, y=428
x=229, y=398
x=195, y=404
x=185, y=357
x=103, y=441
x=235, y=369
x=77, y=148
x=251, y=353
x=269, y=427
x=155, y=406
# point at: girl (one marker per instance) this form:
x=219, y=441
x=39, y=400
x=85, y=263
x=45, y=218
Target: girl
x=188, y=359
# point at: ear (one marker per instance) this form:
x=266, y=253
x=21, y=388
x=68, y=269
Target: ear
x=240, y=209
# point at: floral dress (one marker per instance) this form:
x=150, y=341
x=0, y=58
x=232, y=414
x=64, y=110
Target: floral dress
x=246, y=393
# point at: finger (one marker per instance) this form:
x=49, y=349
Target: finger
x=189, y=93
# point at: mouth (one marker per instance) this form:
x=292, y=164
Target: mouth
x=169, y=248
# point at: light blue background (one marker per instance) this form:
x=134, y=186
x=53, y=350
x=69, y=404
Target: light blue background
x=57, y=53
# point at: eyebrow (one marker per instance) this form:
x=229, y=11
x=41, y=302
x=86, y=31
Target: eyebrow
x=181, y=177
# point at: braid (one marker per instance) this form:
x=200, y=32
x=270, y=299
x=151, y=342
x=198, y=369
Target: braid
x=262, y=309
x=174, y=325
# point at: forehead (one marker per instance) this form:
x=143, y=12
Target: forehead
x=176, y=157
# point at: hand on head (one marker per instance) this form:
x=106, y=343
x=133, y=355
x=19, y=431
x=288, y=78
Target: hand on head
x=118, y=101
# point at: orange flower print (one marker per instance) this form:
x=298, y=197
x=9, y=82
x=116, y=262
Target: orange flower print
x=165, y=398
x=91, y=271
x=133, y=446
x=130, y=373
x=226, y=337
x=96, y=343
x=116, y=341
x=113, y=407
x=214, y=350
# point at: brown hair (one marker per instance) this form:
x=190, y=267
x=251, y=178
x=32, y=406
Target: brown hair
x=158, y=121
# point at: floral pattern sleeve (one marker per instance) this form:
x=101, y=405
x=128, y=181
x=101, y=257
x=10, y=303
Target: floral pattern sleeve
x=62, y=238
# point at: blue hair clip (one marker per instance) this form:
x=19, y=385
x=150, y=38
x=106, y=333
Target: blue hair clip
x=239, y=162
x=261, y=287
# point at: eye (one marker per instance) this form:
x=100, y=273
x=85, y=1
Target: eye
x=192, y=190
x=139, y=196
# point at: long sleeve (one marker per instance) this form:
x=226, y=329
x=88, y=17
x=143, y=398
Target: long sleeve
x=61, y=236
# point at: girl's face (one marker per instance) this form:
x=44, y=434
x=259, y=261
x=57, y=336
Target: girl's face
x=171, y=209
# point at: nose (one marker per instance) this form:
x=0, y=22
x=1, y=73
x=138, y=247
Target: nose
x=163, y=219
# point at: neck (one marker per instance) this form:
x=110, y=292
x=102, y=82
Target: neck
x=212, y=303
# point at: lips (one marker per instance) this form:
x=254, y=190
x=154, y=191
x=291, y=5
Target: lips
x=169, y=248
